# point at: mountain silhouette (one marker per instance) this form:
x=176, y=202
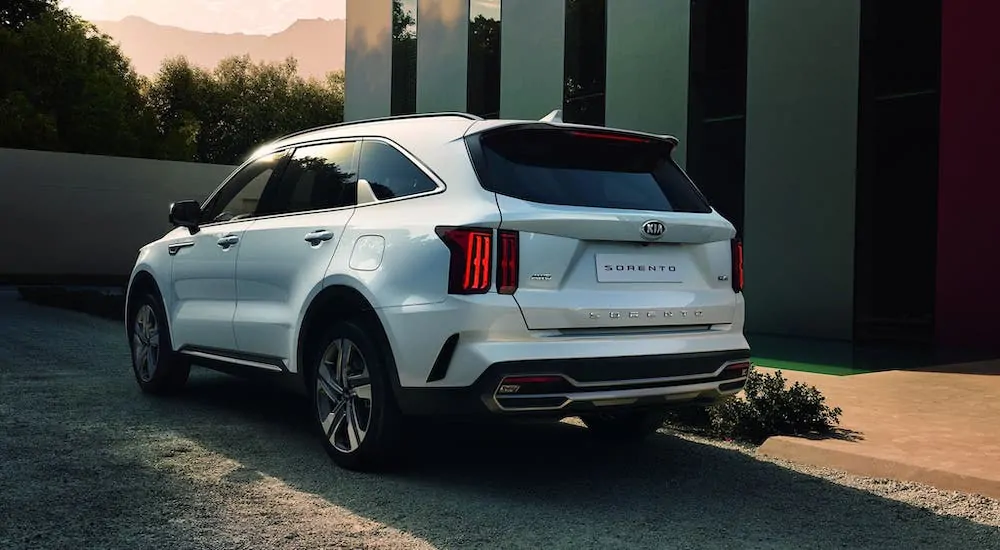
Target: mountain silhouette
x=317, y=44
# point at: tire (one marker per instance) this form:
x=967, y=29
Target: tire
x=353, y=408
x=157, y=368
x=624, y=427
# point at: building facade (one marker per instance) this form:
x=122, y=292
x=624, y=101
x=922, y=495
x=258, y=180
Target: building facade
x=851, y=142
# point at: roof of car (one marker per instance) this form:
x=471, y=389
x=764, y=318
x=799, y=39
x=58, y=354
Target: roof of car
x=375, y=126
x=447, y=126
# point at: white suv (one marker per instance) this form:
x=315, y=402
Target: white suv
x=445, y=264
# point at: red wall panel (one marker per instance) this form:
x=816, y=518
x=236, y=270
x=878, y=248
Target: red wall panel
x=967, y=308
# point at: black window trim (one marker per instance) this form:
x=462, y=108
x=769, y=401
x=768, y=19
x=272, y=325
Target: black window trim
x=355, y=161
x=288, y=150
x=260, y=154
x=439, y=184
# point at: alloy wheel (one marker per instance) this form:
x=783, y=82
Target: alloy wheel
x=145, y=342
x=344, y=395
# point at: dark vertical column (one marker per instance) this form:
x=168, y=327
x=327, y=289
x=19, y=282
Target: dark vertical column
x=404, y=57
x=801, y=158
x=897, y=177
x=585, y=69
x=484, y=58
x=967, y=310
x=717, y=103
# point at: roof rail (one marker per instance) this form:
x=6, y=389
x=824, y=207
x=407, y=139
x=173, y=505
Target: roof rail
x=378, y=119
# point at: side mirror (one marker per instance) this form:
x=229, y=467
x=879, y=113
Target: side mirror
x=185, y=214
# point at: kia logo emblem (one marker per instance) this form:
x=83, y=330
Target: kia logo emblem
x=653, y=229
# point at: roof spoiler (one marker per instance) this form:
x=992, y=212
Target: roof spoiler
x=556, y=117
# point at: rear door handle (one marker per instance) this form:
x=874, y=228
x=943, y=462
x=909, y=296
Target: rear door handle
x=228, y=240
x=318, y=236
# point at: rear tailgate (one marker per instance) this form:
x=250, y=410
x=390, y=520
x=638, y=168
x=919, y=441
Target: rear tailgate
x=611, y=231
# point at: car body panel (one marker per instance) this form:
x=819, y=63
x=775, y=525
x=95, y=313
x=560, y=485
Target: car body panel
x=276, y=270
x=390, y=253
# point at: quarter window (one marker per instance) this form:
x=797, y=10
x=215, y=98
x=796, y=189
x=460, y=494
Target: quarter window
x=318, y=177
x=390, y=174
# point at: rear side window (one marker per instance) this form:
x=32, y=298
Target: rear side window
x=390, y=174
x=585, y=168
x=317, y=177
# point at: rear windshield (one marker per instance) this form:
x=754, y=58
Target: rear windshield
x=584, y=168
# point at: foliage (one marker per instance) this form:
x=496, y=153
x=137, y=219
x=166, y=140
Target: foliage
x=484, y=54
x=66, y=87
x=404, y=58
x=768, y=407
x=404, y=21
x=14, y=14
x=220, y=116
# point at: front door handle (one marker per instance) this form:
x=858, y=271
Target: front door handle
x=318, y=236
x=228, y=240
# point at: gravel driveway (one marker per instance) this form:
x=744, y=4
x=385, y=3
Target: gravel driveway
x=86, y=461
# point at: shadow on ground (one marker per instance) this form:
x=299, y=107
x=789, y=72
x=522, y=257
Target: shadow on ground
x=100, y=465
x=550, y=485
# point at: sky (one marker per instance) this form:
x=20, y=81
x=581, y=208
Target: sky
x=227, y=16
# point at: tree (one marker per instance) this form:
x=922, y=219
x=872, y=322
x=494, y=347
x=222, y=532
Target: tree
x=14, y=14
x=66, y=87
x=181, y=97
x=403, y=98
x=222, y=115
x=404, y=22
x=484, y=67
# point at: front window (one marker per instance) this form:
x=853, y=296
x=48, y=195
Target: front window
x=238, y=198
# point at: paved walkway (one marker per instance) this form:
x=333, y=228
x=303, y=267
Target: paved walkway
x=940, y=427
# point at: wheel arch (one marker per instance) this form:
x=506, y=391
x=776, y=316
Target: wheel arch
x=142, y=280
x=337, y=302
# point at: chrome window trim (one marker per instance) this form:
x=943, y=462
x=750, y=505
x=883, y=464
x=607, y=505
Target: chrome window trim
x=440, y=186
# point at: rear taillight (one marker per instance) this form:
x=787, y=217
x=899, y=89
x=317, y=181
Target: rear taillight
x=507, y=254
x=737, y=245
x=471, y=263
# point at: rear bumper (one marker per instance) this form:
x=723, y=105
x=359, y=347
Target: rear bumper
x=568, y=387
x=452, y=344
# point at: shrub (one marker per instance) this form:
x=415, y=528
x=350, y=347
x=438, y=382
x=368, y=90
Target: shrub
x=767, y=407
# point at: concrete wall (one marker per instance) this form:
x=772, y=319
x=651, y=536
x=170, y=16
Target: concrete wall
x=647, y=78
x=531, y=58
x=368, y=91
x=442, y=55
x=64, y=214
x=802, y=102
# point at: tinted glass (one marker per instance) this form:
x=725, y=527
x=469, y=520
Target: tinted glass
x=239, y=197
x=404, y=57
x=390, y=174
x=578, y=169
x=716, y=133
x=484, y=58
x=585, y=61
x=317, y=177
